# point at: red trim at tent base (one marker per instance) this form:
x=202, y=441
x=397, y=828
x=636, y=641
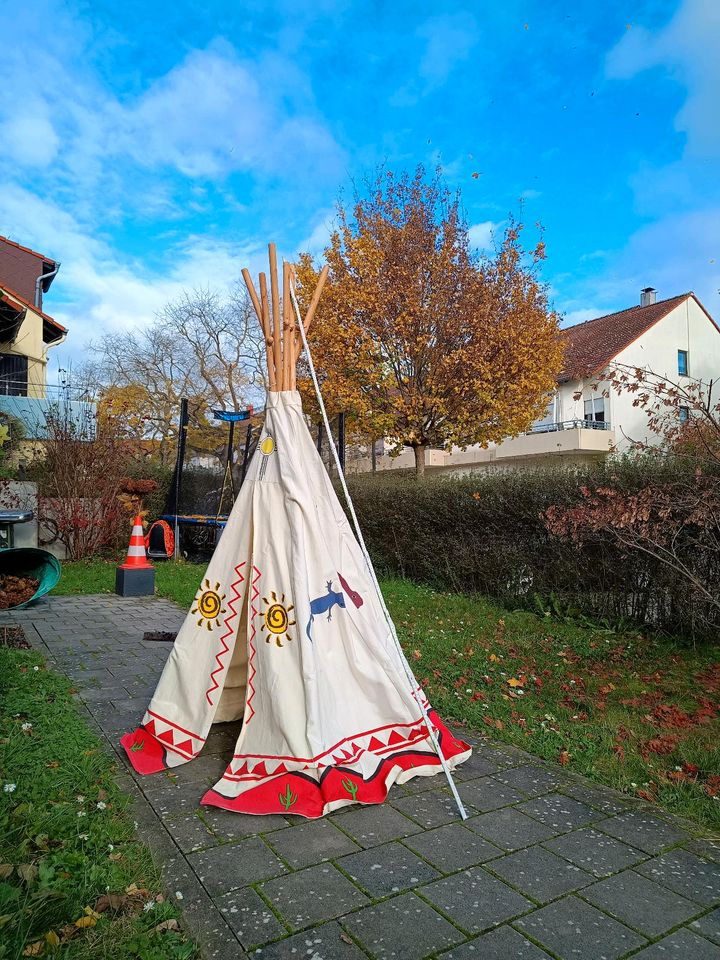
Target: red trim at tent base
x=313, y=793
x=145, y=753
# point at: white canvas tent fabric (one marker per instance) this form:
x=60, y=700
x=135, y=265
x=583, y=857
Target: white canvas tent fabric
x=287, y=632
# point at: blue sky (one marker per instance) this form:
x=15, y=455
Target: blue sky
x=156, y=146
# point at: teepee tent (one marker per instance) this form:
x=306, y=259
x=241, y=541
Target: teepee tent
x=289, y=632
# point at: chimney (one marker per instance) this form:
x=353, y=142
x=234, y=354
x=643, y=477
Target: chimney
x=648, y=295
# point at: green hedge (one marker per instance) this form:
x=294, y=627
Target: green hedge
x=485, y=533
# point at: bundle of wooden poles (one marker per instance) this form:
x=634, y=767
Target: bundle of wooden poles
x=277, y=319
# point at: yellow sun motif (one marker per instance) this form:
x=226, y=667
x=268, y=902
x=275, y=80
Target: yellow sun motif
x=267, y=446
x=209, y=604
x=276, y=618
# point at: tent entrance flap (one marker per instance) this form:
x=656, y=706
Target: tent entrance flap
x=232, y=701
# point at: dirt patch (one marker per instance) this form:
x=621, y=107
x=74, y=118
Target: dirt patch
x=15, y=590
x=13, y=637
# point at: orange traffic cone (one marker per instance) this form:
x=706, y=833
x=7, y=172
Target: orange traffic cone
x=136, y=556
x=135, y=577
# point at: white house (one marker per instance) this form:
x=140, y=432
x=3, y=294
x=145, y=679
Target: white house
x=675, y=338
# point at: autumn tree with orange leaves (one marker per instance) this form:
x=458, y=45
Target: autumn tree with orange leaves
x=419, y=339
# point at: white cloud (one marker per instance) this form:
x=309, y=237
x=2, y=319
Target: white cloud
x=687, y=47
x=481, y=235
x=28, y=136
x=319, y=237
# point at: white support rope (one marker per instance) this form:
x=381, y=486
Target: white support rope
x=414, y=686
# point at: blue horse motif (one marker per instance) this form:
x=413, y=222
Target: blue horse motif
x=324, y=603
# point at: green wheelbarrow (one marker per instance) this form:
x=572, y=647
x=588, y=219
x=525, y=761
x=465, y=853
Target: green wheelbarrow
x=31, y=562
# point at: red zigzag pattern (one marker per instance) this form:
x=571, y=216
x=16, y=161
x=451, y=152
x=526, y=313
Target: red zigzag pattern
x=214, y=685
x=250, y=712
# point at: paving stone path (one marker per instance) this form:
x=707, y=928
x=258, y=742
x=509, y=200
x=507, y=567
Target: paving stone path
x=547, y=866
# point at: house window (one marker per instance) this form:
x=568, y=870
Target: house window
x=683, y=363
x=684, y=414
x=595, y=410
x=13, y=375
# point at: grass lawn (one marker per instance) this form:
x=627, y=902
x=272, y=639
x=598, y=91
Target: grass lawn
x=73, y=880
x=626, y=709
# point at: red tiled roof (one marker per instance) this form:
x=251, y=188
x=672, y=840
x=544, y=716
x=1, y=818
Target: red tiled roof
x=50, y=321
x=28, y=250
x=590, y=346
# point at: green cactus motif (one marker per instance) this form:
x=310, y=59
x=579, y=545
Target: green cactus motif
x=138, y=745
x=351, y=787
x=288, y=798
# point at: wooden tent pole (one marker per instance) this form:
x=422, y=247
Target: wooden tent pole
x=288, y=328
x=253, y=294
x=276, y=319
x=269, y=346
x=313, y=306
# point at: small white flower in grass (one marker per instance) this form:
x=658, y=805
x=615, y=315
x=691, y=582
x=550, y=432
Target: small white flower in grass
x=36, y=669
x=84, y=836
x=81, y=813
x=178, y=895
x=80, y=799
x=150, y=905
x=27, y=726
x=111, y=847
x=10, y=787
x=100, y=805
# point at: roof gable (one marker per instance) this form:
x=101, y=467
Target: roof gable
x=590, y=346
x=52, y=330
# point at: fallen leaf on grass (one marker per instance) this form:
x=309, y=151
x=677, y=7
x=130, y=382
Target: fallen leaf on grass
x=34, y=949
x=563, y=758
x=82, y=922
x=647, y=794
x=171, y=924
x=6, y=870
x=516, y=682
x=52, y=939
x=27, y=872
x=660, y=745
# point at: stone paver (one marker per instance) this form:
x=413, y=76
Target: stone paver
x=403, y=928
x=681, y=945
x=474, y=900
x=510, y=828
x=501, y=944
x=404, y=881
x=643, y=830
x=452, y=847
x=560, y=812
x=235, y=865
x=708, y=926
x=369, y=826
x=311, y=895
x=539, y=874
x=390, y=868
x=327, y=942
x=309, y=843
x=687, y=875
x=640, y=903
x=594, y=851
x=573, y=930
x=530, y=779
x=250, y=917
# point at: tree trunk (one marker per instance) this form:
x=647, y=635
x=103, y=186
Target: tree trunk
x=420, y=460
x=373, y=456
